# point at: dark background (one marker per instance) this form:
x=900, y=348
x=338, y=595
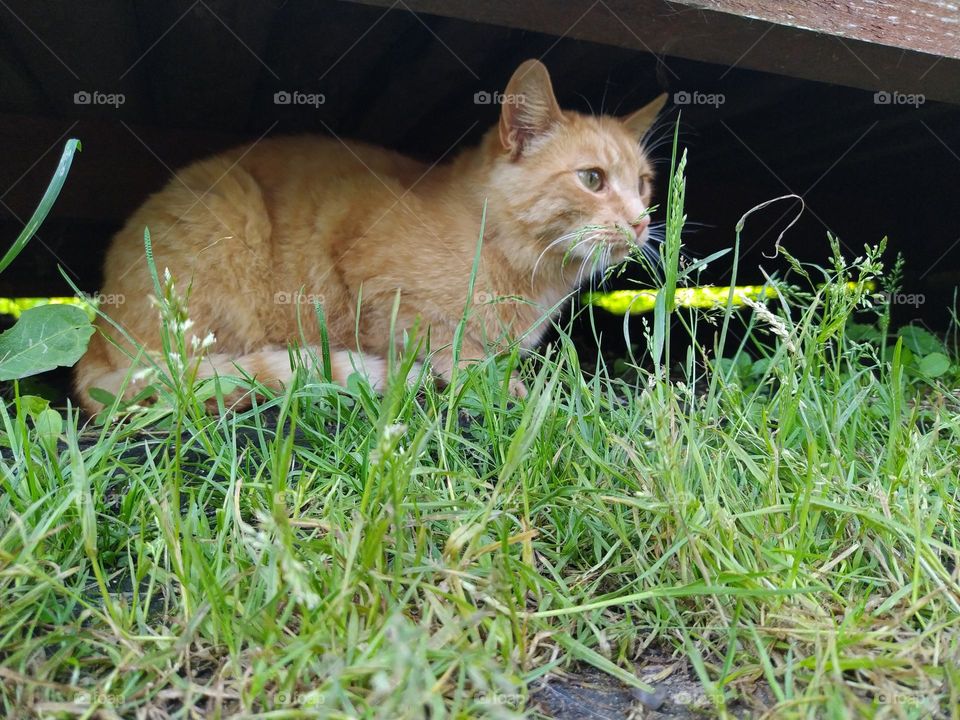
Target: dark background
x=199, y=78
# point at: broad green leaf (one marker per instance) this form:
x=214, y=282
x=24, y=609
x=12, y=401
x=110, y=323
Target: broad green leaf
x=920, y=341
x=49, y=425
x=934, y=364
x=861, y=332
x=44, y=338
x=33, y=405
x=758, y=368
x=906, y=356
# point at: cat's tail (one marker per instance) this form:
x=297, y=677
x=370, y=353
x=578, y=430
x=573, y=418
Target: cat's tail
x=269, y=366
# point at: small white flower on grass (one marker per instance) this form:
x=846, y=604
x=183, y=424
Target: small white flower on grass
x=386, y=445
x=143, y=374
x=176, y=361
x=198, y=344
x=391, y=432
x=775, y=323
x=267, y=538
x=298, y=580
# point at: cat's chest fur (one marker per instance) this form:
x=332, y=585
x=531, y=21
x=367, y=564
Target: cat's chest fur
x=543, y=308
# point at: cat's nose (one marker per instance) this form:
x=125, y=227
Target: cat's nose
x=640, y=225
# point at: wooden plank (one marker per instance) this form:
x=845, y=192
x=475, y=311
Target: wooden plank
x=930, y=26
x=911, y=46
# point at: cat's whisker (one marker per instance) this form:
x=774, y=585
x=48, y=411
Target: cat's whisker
x=553, y=243
x=594, y=264
x=588, y=237
x=653, y=261
x=589, y=104
x=576, y=276
x=583, y=263
x=605, y=267
x=654, y=141
x=592, y=258
x=584, y=240
x=659, y=143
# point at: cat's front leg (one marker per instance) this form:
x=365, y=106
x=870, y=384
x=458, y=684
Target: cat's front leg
x=471, y=351
x=517, y=387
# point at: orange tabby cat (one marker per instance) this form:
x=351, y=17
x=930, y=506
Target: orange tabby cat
x=261, y=231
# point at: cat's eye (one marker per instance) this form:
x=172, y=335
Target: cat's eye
x=592, y=179
x=644, y=184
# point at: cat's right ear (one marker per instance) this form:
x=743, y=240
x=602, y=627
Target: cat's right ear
x=639, y=123
x=529, y=107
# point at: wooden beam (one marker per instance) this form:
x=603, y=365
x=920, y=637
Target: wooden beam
x=929, y=26
x=907, y=46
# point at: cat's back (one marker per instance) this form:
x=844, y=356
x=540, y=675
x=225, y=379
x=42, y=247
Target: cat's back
x=255, y=220
x=281, y=188
x=291, y=160
x=285, y=170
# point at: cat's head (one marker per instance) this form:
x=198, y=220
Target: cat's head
x=578, y=185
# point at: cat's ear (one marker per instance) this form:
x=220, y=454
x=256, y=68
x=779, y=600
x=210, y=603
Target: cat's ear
x=639, y=122
x=529, y=107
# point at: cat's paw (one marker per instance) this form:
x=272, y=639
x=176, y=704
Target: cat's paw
x=517, y=388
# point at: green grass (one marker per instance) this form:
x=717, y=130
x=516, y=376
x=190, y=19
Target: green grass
x=786, y=518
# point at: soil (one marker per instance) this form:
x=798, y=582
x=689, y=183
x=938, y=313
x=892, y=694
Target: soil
x=583, y=693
